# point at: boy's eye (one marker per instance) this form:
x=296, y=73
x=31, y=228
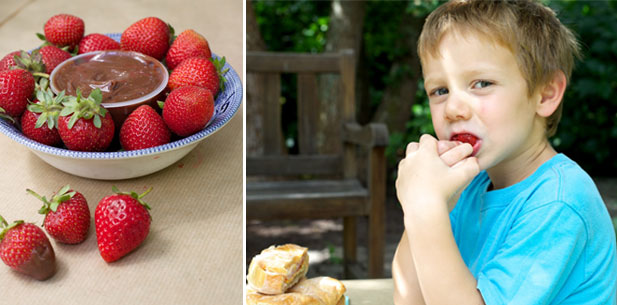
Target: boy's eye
x=481, y=84
x=439, y=91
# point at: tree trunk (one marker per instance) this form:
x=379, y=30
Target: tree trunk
x=254, y=86
x=345, y=32
x=395, y=107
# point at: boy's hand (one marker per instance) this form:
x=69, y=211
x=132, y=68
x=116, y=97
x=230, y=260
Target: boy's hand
x=433, y=171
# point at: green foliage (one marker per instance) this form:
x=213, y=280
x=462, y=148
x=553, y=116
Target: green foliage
x=298, y=26
x=588, y=128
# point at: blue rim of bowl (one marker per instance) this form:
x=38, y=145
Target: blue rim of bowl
x=227, y=104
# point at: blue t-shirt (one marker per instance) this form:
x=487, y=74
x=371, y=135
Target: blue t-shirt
x=545, y=240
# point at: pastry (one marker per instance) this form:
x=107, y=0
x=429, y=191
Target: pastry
x=315, y=291
x=276, y=269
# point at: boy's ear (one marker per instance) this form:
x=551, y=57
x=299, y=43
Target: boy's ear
x=551, y=94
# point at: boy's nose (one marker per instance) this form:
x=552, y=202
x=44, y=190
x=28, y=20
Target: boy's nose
x=457, y=108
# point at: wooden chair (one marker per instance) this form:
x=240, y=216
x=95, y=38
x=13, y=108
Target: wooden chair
x=337, y=189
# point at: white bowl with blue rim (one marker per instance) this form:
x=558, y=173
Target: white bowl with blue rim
x=117, y=165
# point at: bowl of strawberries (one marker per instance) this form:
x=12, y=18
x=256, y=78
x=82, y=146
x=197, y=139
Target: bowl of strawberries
x=76, y=128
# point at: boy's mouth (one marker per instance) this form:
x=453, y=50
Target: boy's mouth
x=474, y=141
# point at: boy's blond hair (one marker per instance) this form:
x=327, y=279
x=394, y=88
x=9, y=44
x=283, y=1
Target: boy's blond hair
x=541, y=44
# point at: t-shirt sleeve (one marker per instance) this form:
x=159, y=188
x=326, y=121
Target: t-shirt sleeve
x=538, y=255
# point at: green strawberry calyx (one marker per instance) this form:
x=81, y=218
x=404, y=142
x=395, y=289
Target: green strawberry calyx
x=6, y=116
x=5, y=227
x=32, y=62
x=87, y=108
x=49, y=106
x=135, y=196
x=219, y=64
x=61, y=196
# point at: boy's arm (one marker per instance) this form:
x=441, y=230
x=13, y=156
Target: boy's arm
x=442, y=274
x=426, y=182
x=406, y=286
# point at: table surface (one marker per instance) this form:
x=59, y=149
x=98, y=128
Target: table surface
x=194, y=250
x=369, y=292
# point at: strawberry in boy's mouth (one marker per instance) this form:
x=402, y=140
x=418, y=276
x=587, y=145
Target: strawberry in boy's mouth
x=468, y=138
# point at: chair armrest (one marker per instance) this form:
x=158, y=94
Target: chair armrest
x=370, y=135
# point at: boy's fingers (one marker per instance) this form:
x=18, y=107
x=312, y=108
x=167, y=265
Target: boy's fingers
x=443, y=146
x=411, y=147
x=466, y=170
x=428, y=142
x=457, y=154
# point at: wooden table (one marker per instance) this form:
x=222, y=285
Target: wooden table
x=193, y=254
x=369, y=292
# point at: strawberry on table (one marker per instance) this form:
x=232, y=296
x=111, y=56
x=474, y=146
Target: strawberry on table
x=122, y=223
x=199, y=71
x=26, y=249
x=64, y=30
x=67, y=216
x=143, y=128
x=97, y=42
x=84, y=124
x=149, y=36
x=16, y=87
x=188, y=44
x=188, y=109
x=40, y=120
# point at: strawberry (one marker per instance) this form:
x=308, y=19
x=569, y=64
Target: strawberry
x=26, y=249
x=52, y=56
x=188, y=44
x=16, y=87
x=40, y=120
x=149, y=36
x=199, y=71
x=465, y=138
x=89, y=126
x=41, y=61
x=143, y=128
x=8, y=61
x=67, y=216
x=97, y=42
x=122, y=223
x=188, y=109
x=64, y=30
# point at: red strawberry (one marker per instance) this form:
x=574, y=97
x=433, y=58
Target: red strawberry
x=8, y=61
x=149, y=36
x=188, y=44
x=89, y=126
x=16, y=87
x=143, y=128
x=25, y=248
x=97, y=42
x=122, y=223
x=199, y=71
x=188, y=109
x=52, y=56
x=67, y=216
x=64, y=30
x=40, y=120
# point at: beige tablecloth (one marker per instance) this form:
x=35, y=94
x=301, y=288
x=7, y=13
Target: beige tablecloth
x=369, y=292
x=193, y=254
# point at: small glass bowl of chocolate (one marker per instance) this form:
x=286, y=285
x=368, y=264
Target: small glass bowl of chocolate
x=127, y=80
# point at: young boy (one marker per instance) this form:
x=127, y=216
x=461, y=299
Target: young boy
x=493, y=214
